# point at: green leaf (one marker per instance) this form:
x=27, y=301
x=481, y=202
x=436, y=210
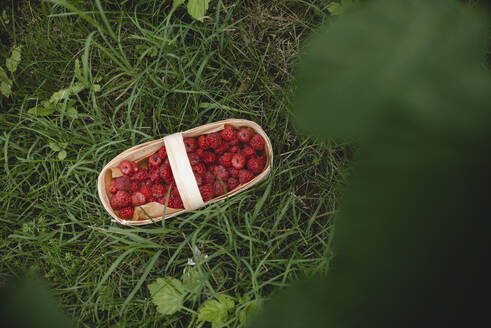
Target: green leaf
x=5, y=89
x=46, y=109
x=66, y=93
x=14, y=59
x=4, y=77
x=78, y=71
x=192, y=280
x=216, y=311
x=72, y=112
x=62, y=155
x=5, y=18
x=197, y=8
x=335, y=8
x=177, y=3
x=96, y=87
x=250, y=311
x=54, y=146
x=167, y=294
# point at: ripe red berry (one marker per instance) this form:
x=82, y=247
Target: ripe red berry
x=138, y=198
x=234, y=149
x=238, y=161
x=140, y=175
x=162, y=152
x=126, y=167
x=202, y=144
x=233, y=142
x=199, y=168
x=199, y=179
x=244, y=135
x=126, y=213
x=225, y=159
x=190, y=144
x=209, y=178
x=248, y=151
x=255, y=165
x=221, y=172
x=193, y=158
x=218, y=188
x=207, y=192
x=257, y=142
x=262, y=157
x=222, y=148
x=154, y=174
x=146, y=191
x=134, y=186
x=177, y=201
x=120, y=199
x=165, y=171
x=154, y=160
x=134, y=167
x=214, y=140
x=208, y=157
x=199, y=152
x=232, y=183
x=233, y=172
x=245, y=176
x=158, y=190
x=120, y=183
x=228, y=133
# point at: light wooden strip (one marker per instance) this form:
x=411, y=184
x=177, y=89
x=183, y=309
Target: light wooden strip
x=183, y=173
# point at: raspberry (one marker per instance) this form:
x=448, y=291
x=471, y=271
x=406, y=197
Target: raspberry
x=162, y=152
x=120, y=199
x=121, y=183
x=199, y=179
x=234, y=149
x=154, y=160
x=162, y=200
x=238, y=161
x=208, y=157
x=177, y=201
x=233, y=172
x=170, y=180
x=193, y=158
x=146, y=191
x=126, y=213
x=221, y=172
x=209, y=178
x=244, y=135
x=207, y=192
x=138, y=198
x=233, y=142
x=257, y=142
x=222, y=148
x=165, y=171
x=199, y=152
x=232, y=183
x=158, y=190
x=248, y=151
x=214, y=140
x=245, y=176
x=134, y=167
x=228, y=133
x=126, y=167
x=225, y=159
x=141, y=175
x=199, y=169
x=262, y=157
x=255, y=165
x=154, y=174
x=218, y=188
x=190, y=144
x=134, y=186
x=202, y=144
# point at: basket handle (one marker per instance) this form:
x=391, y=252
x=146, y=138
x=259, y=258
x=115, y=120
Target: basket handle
x=183, y=173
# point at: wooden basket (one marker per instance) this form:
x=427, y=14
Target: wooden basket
x=141, y=152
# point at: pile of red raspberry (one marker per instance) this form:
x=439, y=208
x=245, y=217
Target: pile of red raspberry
x=221, y=161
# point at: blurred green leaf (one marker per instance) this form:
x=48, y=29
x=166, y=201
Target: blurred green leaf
x=5, y=89
x=177, y=3
x=5, y=18
x=167, y=294
x=54, y=146
x=42, y=111
x=335, y=8
x=250, y=311
x=78, y=71
x=14, y=59
x=62, y=155
x=191, y=279
x=66, y=93
x=216, y=310
x=197, y=8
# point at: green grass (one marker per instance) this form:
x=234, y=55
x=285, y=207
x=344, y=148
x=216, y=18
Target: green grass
x=160, y=72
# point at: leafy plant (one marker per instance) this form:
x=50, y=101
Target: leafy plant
x=59, y=148
x=168, y=294
x=48, y=107
x=196, y=8
x=216, y=310
x=11, y=63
